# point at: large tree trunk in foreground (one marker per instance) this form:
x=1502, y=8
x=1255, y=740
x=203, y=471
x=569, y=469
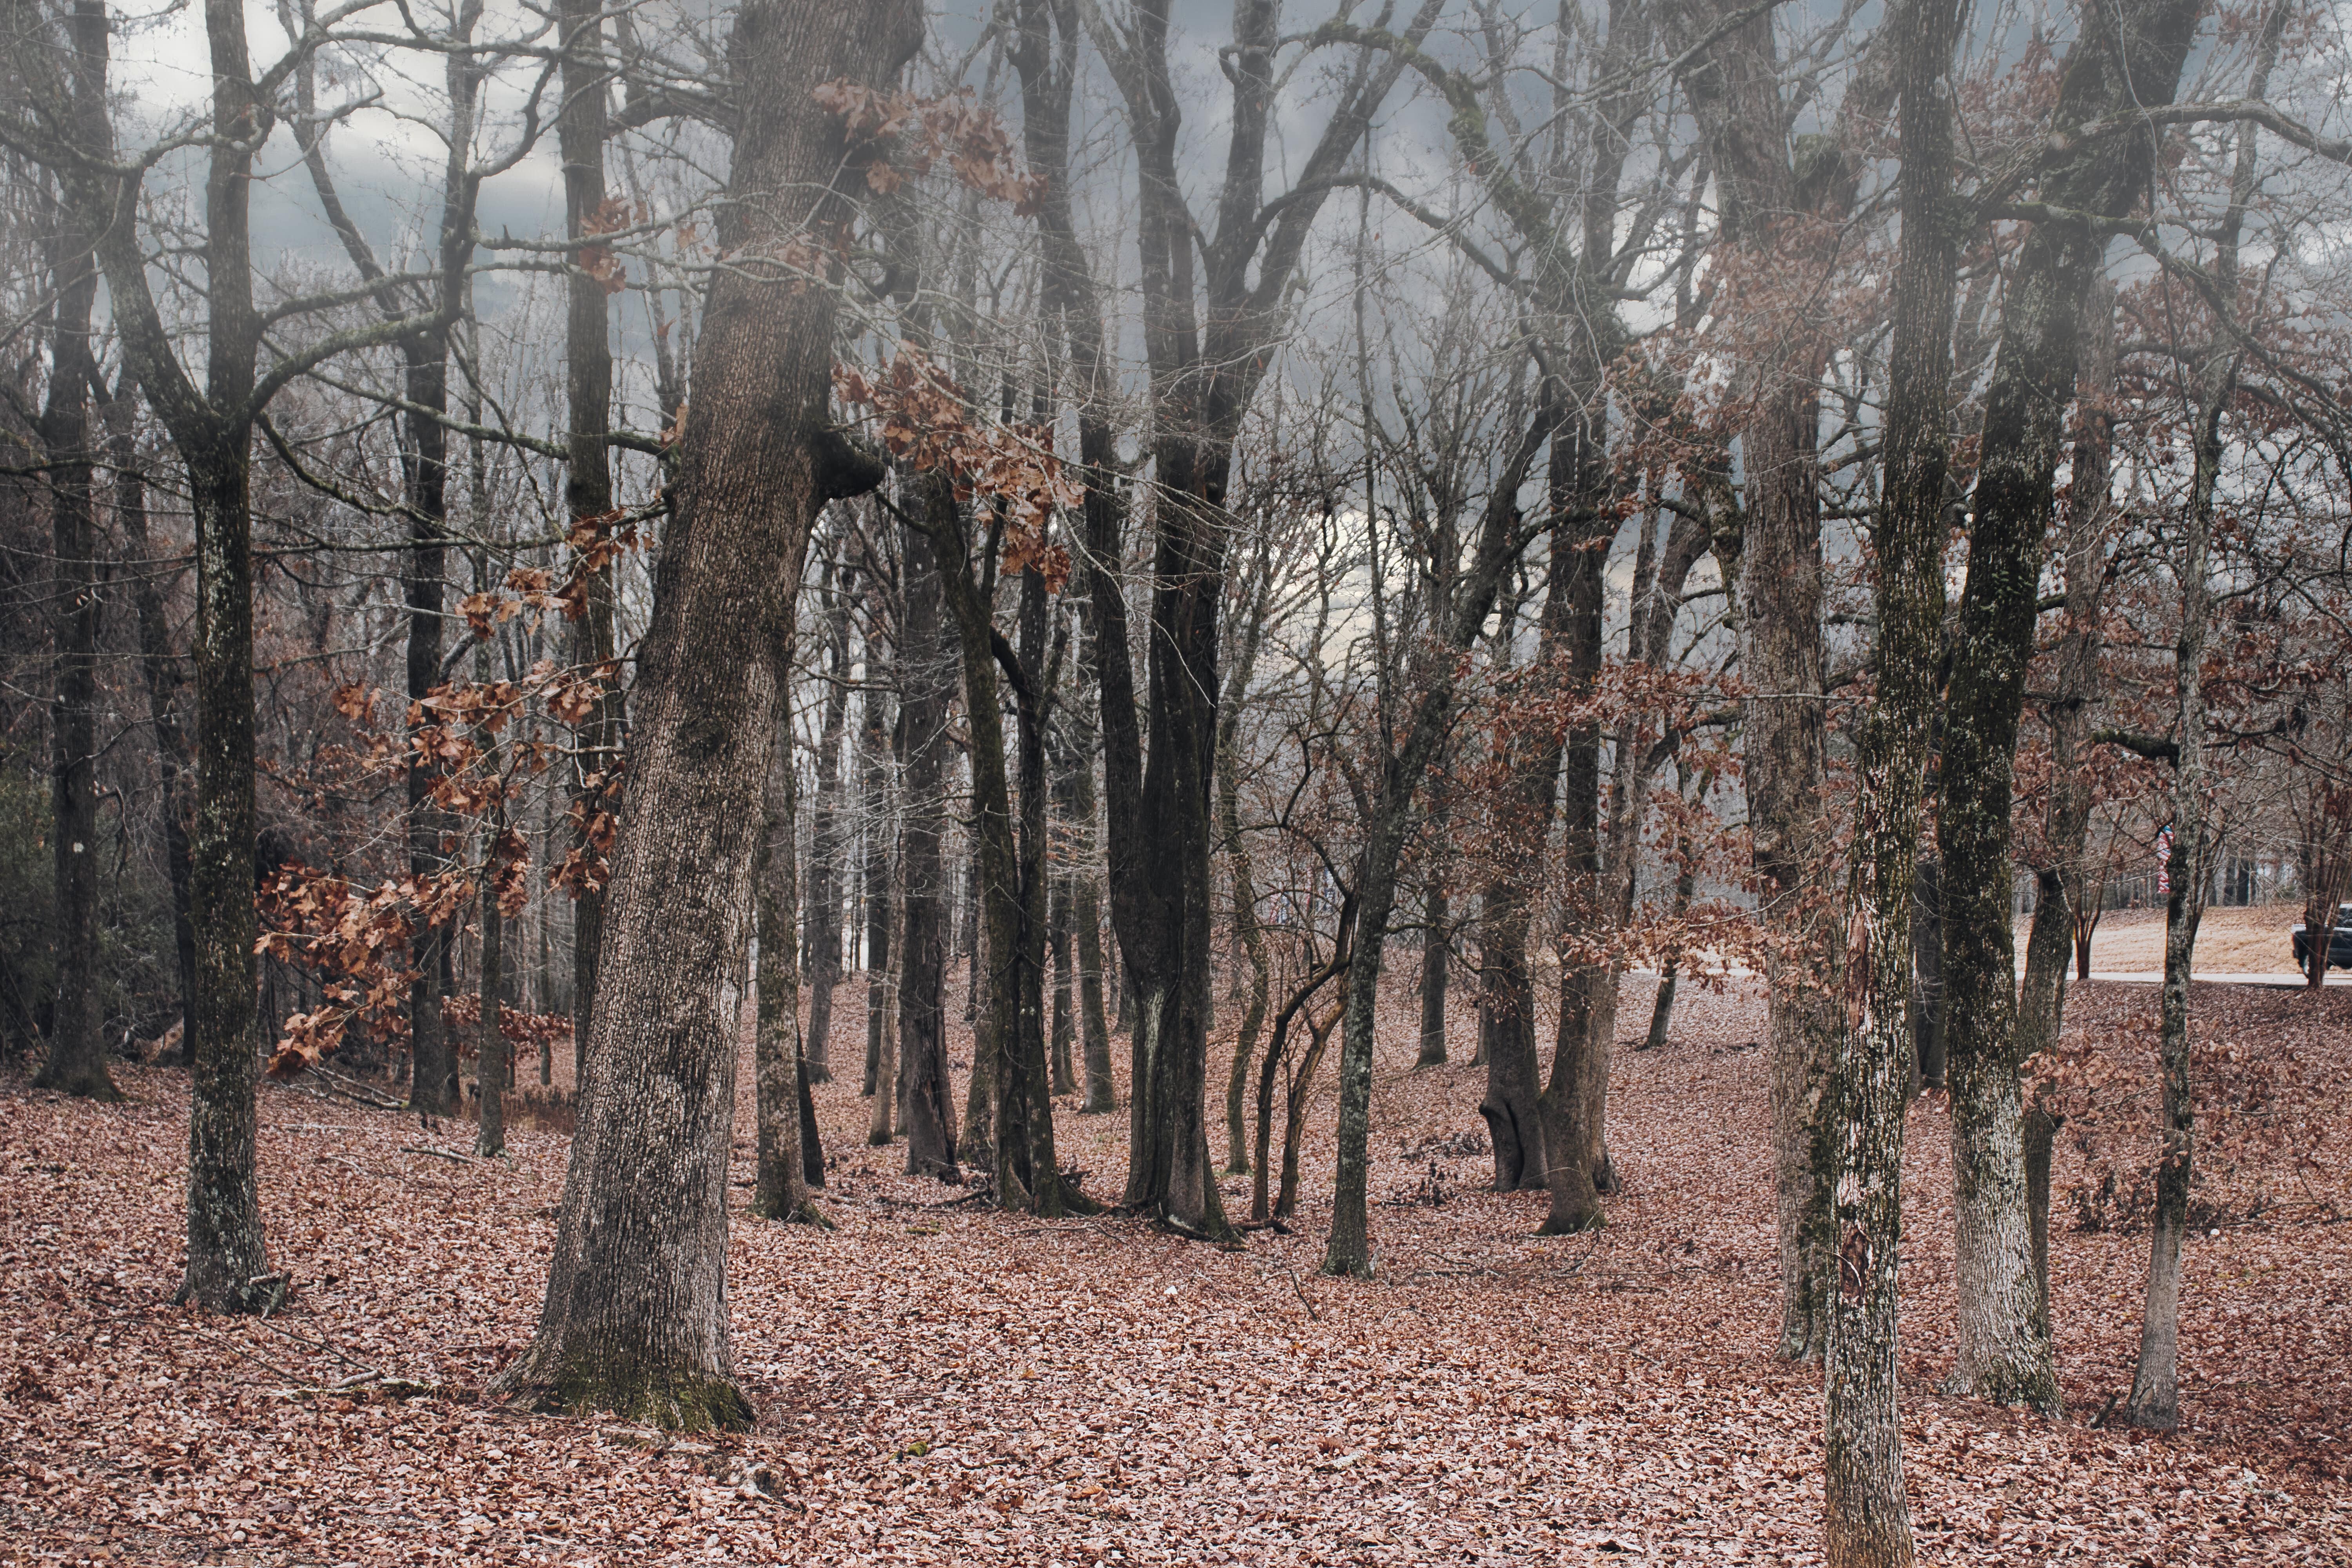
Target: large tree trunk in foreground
x=636, y=1318
x=1866, y=1516
x=1781, y=222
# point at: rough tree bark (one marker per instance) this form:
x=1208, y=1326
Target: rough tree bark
x=636, y=1317
x=2155, y=1390
x=76, y=1063
x=926, y=674
x=588, y=474
x=2133, y=57
x=159, y=667
x=1775, y=214
x=1866, y=1516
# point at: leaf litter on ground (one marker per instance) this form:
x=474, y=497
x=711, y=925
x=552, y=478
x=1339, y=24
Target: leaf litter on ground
x=937, y=1383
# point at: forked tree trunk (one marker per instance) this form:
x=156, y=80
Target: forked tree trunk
x=2121, y=61
x=636, y=1318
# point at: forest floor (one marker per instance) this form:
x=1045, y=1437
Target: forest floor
x=939, y=1383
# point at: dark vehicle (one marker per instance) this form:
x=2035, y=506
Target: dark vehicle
x=2339, y=945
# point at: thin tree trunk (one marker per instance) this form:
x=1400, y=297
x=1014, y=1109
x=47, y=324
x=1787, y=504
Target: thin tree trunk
x=2156, y=1389
x=2061, y=884
x=159, y=668
x=635, y=1318
x=588, y=477
x=1064, y=1026
x=927, y=674
x=883, y=1000
x=1086, y=915
x=779, y=1189
x=492, y=1063
x=881, y=956
x=1240, y=865
x=821, y=922
x=1436, y=942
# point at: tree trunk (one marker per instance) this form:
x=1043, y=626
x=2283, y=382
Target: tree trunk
x=1773, y=560
x=635, y=1318
x=1385, y=828
x=820, y=923
x=874, y=787
x=491, y=1069
x=1009, y=1048
x=2062, y=887
x=588, y=474
x=1065, y=1029
x=2155, y=1390
x=1435, y=939
x=882, y=999
x=811, y=1144
x=1929, y=1052
x=159, y=668
x=927, y=674
x=1867, y=1515
x=1242, y=868
x=229, y=1266
x=2000, y=1356
x=76, y=1063
x=779, y=1189
x=1086, y=914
